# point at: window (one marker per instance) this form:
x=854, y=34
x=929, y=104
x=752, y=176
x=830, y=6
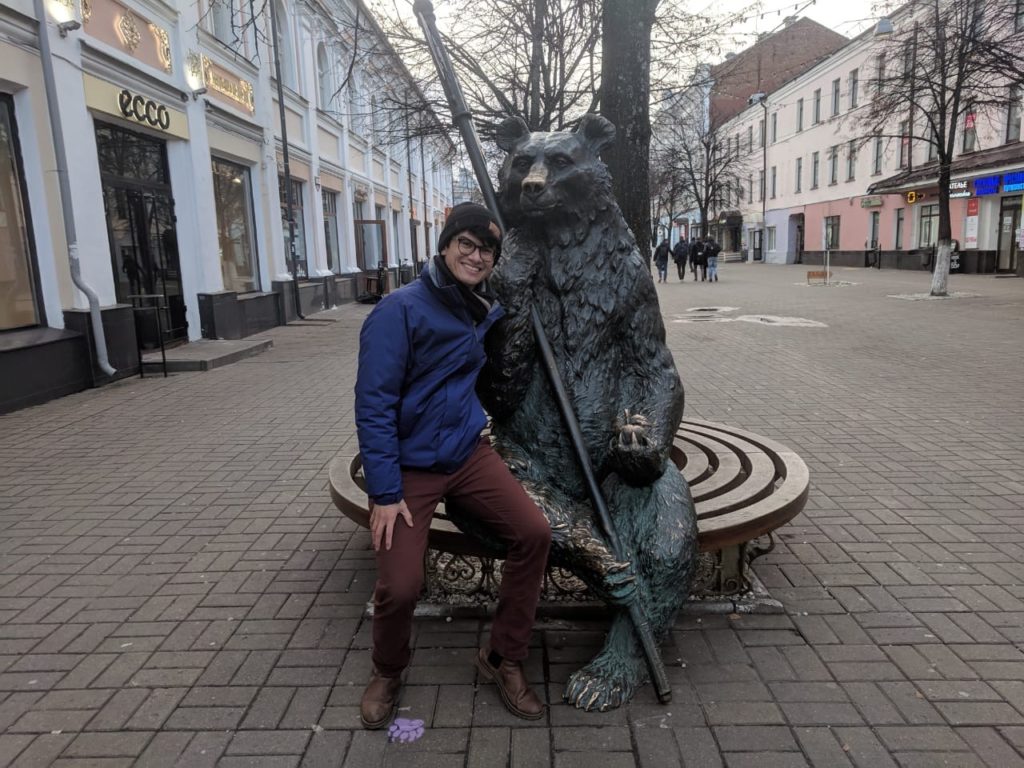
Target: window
x=851, y=161
x=19, y=307
x=831, y=233
x=760, y=186
x=873, y=218
x=325, y=80
x=833, y=164
x=799, y=174
x=904, y=143
x=775, y=126
x=1018, y=22
x=232, y=195
x=222, y=21
x=835, y=97
x=932, y=142
x=879, y=72
x=300, y=229
x=799, y=115
x=771, y=238
x=284, y=45
x=817, y=106
x=774, y=185
x=331, y=230
x=760, y=133
x=970, y=129
x=815, y=167
x=750, y=138
x=898, y=243
x=750, y=188
x=876, y=161
x=854, y=85
x=928, y=233
x=1013, y=115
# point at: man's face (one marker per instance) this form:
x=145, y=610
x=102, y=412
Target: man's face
x=470, y=261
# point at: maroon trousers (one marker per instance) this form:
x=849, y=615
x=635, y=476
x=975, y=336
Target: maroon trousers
x=484, y=487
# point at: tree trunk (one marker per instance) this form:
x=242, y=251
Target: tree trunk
x=625, y=101
x=540, y=10
x=940, y=276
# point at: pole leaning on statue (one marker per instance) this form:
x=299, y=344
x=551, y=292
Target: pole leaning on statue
x=463, y=120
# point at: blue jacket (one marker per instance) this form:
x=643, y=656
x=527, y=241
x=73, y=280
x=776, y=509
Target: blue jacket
x=416, y=403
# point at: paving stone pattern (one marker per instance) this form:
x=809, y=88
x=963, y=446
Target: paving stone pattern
x=176, y=588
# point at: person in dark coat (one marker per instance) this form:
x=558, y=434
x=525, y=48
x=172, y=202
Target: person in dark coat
x=419, y=423
x=661, y=261
x=711, y=251
x=696, y=248
x=679, y=254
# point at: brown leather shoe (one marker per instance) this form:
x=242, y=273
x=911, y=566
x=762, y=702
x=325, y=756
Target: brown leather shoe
x=519, y=698
x=380, y=699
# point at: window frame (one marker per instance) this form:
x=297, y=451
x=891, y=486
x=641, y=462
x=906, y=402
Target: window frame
x=250, y=213
x=854, y=86
x=815, y=169
x=799, y=115
x=799, y=175
x=836, y=91
x=817, y=107
x=1013, y=114
x=832, y=225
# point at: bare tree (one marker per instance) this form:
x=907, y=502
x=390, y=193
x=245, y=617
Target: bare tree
x=946, y=63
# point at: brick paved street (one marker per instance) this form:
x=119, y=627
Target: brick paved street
x=176, y=587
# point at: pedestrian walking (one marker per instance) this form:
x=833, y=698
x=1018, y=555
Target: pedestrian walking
x=711, y=251
x=419, y=425
x=696, y=250
x=679, y=253
x=661, y=260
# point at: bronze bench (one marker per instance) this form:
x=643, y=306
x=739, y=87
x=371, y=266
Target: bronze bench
x=744, y=486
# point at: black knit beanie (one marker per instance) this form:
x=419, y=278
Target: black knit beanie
x=475, y=218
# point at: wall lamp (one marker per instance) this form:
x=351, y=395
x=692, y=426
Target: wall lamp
x=70, y=25
x=197, y=93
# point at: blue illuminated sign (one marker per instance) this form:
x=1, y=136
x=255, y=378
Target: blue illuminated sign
x=987, y=185
x=1013, y=182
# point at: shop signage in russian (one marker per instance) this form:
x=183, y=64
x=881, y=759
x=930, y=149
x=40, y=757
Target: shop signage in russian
x=1013, y=182
x=234, y=89
x=870, y=202
x=959, y=189
x=987, y=185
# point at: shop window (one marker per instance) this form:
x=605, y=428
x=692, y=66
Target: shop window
x=1013, y=115
x=832, y=233
x=929, y=229
x=873, y=222
x=799, y=175
x=898, y=245
x=18, y=298
x=771, y=238
x=854, y=85
x=330, y=203
x=300, y=225
x=232, y=192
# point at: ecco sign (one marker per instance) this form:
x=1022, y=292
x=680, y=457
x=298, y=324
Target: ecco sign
x=143, y=110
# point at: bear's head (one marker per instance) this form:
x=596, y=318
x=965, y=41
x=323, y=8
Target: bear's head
x=554, y=179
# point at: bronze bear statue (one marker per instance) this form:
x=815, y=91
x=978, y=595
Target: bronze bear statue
x=569, y=252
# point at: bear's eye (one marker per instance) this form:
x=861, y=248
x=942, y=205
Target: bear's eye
x=561, y=161
x=522, y=163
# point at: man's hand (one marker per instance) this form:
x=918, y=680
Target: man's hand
x=382, y=522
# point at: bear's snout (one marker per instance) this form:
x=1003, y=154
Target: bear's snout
x=535, y=181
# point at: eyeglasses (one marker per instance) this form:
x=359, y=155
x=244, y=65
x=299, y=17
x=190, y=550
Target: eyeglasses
x=467, y=246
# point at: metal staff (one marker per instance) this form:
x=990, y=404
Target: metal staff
x=463, y=120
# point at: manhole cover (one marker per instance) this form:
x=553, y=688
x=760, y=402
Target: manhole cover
x=791, y=322
x=712, y=309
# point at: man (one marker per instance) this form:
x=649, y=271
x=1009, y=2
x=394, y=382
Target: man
x=679, y=257
x=661, y=260
x=711, y=251
x=696, y=252
x=419, y=421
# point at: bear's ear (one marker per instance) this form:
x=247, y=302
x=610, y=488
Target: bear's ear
x=596, y=132
x=511, y=130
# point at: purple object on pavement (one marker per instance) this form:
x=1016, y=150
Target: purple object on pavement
x=405, y=731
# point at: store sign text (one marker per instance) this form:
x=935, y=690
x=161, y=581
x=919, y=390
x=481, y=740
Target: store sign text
x=958, y=189
x=143, y=110
x=1013, y=182
x=987, y=185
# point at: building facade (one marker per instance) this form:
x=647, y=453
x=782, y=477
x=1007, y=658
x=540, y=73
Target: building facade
x=816, y=183
x=175, y=179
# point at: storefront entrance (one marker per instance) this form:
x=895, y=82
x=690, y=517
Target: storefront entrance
x=140, y=226
x=1009, y=229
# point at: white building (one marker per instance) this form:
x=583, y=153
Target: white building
x=172, y=128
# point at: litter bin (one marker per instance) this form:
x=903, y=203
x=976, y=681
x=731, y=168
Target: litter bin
x=406, y=273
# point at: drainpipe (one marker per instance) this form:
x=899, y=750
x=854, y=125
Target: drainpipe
x=65, y=192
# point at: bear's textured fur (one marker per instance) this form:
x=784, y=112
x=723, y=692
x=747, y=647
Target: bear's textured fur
x=569, y=252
